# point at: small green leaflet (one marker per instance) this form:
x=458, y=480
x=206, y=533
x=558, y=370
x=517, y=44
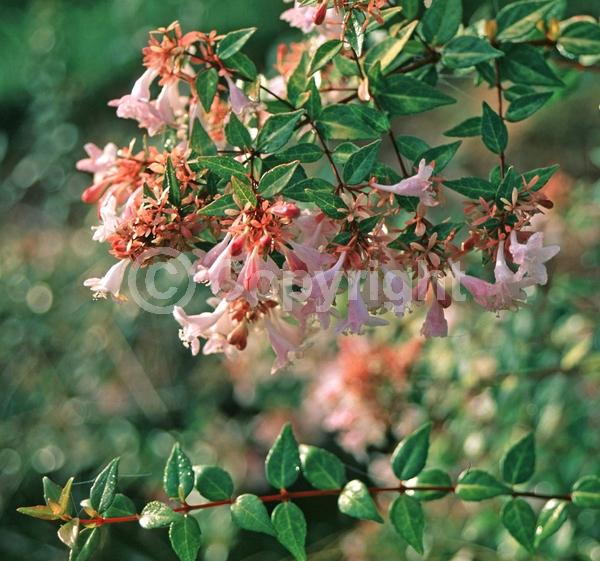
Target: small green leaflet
x=200, y=142
x=360, y=164
x=277, y=131
x=519, y=18
x=206, y=86
x=298, y=81
x=356, y=501
x=223, y=166
x=219, y=206
x=469, y=127
x=431, y=477
x=403, y=95
x=330, y=204
x=355, y=34
x=411, y=146
x=170, y=182
x=302, y=190
x=526, y=105
x=290, y=527
x=236, y=133
x=581, y=38
x=282, y=465
x=104, y=488
x=466, y=51
x=586, y=492
x=476, y=485
x=440, y=22
x=523, y=64
x=157, y=515
x=305, y=152
x=543, y=176
x=233, y=42
x=178, y=479
x=472, y=187
x=550, y=519
x=352, y=122
x=518, y=464
x=493, y=130
x=213, y=483
x=185, y=538
x=121, y=506
x=386, y=52
x=276, y=179
x=410, y=455
x=242, y=191
x=408, y=520
x=86, y=544
x=243, y=64
x=324, y=54
x=321, y=468
x=441, y=155
x=519, y=519
x=250, y=513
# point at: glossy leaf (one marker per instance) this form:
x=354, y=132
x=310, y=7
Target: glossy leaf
x=359, y=165
x=121, y=506
x=543, y=176
x=440, y=22
x=86, y=544
x=403, y=95
x=223, y=166
x=290, y=527
x=243, y=192
x=406, y=515
x=234, y=41
x=525, y=106
x=171, y=183
x=185, y=538
x=440, y=155
x=517, y=19
x=586, y=492
x=410, y=455
x=581, y=38
x=493, y=130
x=305, y=152
x=178, y=478
x=250, y=513
x=200, y=143
x=472, y=187
x=277, y=131
x=356, y=501
x=276, y=179
x=519, y=519
x=104, y=487
x=157, y=515
x=206, y=86
x=236, y=133
x=550, y=519
x=477, y=485
x=282, y=465
x=219, y=206
x=352, y=122
x=332, y=205
x=523, y=64
x=469, y=127
x=321, y=468
x=214, y=483
x=467, y=50
x=324, y=54
x=518, y=464
x=431, y=478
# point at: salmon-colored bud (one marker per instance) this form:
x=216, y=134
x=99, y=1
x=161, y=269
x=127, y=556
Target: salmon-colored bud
x=321, y=13
x=294, y=262
x=239, y=336
x=237, y=245
x=265, y=241
x=286, y=210
x=363, y=90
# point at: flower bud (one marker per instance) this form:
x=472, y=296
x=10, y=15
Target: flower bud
x=237, y=245
x=321, y=13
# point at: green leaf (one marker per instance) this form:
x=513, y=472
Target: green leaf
x=406, y=515
x=324, y=54
x=185, y=538
x=104, y=488
x=157, y=515
x=233, y=42
x=313, y=105
x=200, y=142
x=523, y=64
x=306, y=152
x=42, y=512
x=243, y=192
x=121, y=506
x=355, y=34
x=214, y=483
x=543, y=176
x=411, y=146
x=387, y=51
x=330, y=204
x=219, y=206
x=223, y=166
x=518, y=464
x=526, y=105
x=277, y=131
x=352, y=122
x=69, y=532
x=171, y=183
x=550, y=519
x=298, y=81
x=290, y=527
x=410, y=455
x=86, y=544
x=581, y=38
x=301, y=190
x=236, y=133
x=283, y=461
x=507, y=184
x=440, y=22
x=356, y=501
x=519, y=519
x=472, y=187
x=361, y=163
x=469, y=127
x=477, y=485
x=441, y=155
x=403, y=95
x=178, y=478
x=466, y=51
x=520, y=18
x=52, y=491
x=276, y=179
x=493, y=130
x=586, y=492
x=242, y=64
x=431, y=478
x=321, y=468
x=206, y=86
x=250, y=513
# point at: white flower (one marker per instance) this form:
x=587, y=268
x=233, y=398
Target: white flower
x=531, y=256
x=110, y=282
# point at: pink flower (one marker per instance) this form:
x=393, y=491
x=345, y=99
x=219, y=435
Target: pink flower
x=99, y=161
x=435, y=323
x=194, y=327
x=240, y=103
x=108, y=218
x=284, y=338
x=110, y=283
x=302, y=17
x=532, y=255
x=358, y=314
x=419, y=185
x=205, y=263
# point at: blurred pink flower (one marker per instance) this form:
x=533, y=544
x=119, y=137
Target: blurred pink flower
x=110, y=283
x=419, y=185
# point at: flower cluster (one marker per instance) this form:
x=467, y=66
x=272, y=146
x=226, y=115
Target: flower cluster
x=231, y=172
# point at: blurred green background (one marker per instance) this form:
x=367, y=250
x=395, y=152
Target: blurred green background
x=84, y=381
